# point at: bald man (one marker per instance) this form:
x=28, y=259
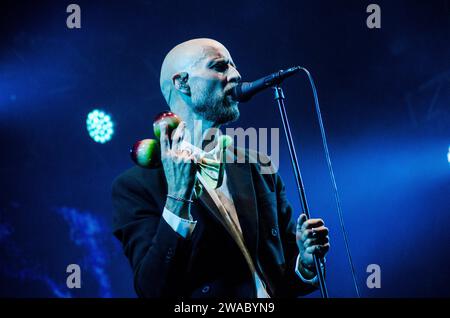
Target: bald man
x=236, y=240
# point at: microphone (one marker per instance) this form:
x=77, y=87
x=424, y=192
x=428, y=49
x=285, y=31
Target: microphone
x=244, y=91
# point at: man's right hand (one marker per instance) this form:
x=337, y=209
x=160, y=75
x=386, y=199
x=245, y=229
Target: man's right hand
x=179, y=168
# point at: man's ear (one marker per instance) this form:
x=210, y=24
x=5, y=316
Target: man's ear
x=180, y=81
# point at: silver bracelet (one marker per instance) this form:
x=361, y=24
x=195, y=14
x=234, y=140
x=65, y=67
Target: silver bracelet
x=180, y=199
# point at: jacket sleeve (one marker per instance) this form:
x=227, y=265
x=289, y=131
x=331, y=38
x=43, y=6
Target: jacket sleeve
x=292, y=285
x=155, y=251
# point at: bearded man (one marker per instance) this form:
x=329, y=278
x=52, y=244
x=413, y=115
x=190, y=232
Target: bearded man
x=236, y=240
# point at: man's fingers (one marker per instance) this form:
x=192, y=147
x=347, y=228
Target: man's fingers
x=316, y=241
x=301, y=219
x=311, y=223
x=164, y=138
x=317, y=232
x=187, y=157
x=319, y=250
x=178, y=135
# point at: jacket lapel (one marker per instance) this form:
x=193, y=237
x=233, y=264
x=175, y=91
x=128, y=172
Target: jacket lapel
x=240, y=185
x=208, y=203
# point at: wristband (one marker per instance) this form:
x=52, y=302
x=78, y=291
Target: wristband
x=180, y=199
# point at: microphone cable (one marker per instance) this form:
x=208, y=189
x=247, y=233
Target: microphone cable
x=333, y=180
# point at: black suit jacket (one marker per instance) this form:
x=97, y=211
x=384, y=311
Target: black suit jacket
x=209, y=263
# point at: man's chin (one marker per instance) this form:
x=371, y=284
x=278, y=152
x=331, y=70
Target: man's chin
x=230, y=114
x=229, y=101
x=223, y=113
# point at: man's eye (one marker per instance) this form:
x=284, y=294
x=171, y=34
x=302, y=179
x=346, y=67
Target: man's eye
x=221, y=67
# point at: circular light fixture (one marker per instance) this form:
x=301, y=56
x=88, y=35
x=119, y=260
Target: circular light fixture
x=99, y=126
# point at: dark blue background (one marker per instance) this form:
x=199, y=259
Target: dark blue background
x=385, y=97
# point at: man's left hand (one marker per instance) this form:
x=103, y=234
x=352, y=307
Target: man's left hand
x=312, y=239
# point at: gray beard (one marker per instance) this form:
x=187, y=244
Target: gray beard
x=217, y=111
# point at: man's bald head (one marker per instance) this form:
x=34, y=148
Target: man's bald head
x=196, y=80
x=183, y=58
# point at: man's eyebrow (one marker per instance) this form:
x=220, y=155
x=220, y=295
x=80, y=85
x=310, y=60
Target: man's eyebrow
x=221, y=59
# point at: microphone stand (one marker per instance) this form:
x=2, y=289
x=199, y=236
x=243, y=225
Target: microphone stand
x=279, y=97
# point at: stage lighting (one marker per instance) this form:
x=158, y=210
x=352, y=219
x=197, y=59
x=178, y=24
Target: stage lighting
x=448, y=154
x=100, y=126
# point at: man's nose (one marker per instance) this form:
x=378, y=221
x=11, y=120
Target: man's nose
x=233, y=75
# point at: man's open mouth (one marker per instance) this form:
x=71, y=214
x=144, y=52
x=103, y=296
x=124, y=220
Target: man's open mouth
x=229, y=90
x=229, y=101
